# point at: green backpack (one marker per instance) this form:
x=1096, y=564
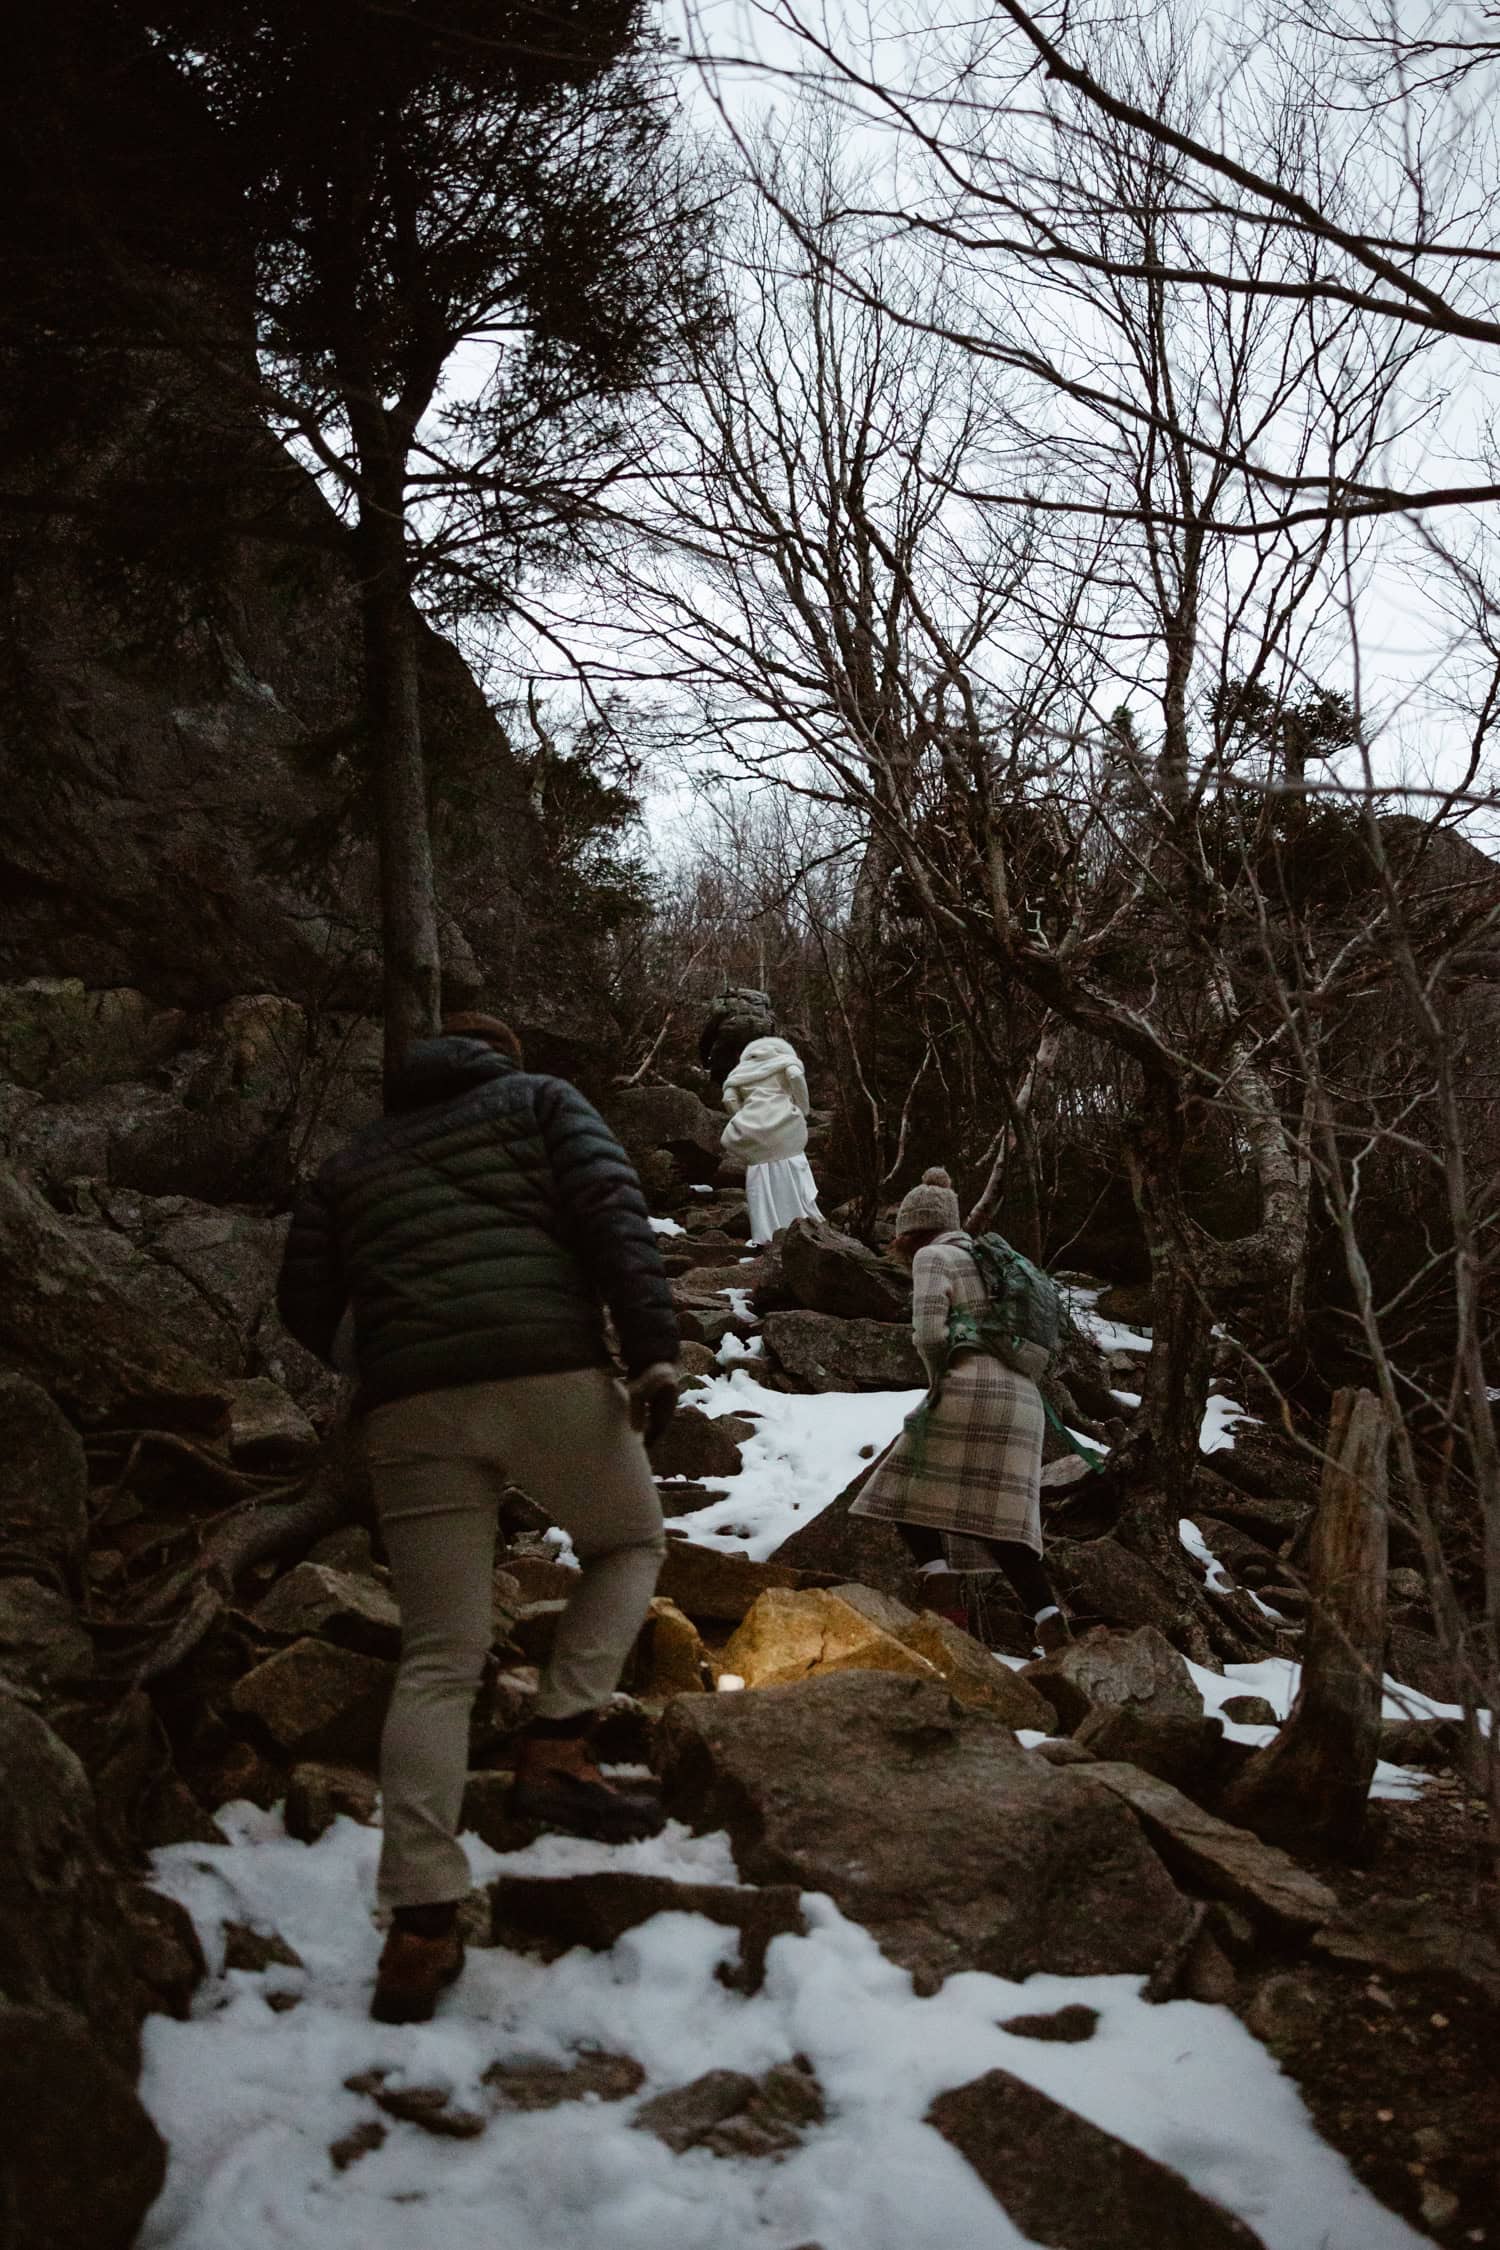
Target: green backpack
x=1024, y=1306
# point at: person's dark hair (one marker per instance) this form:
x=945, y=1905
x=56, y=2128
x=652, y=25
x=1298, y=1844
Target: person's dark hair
x=489, y=1029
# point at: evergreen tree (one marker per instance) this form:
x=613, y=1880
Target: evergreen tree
x=420, y=182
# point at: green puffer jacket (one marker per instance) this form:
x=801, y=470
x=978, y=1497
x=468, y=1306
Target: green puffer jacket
x=477, y=1230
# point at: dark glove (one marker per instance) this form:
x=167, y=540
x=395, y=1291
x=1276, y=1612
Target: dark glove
x=653, y=1399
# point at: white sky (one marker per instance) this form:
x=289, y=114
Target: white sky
x=1404, y=638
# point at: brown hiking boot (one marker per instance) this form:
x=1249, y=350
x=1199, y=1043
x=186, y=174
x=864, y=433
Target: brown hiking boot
x=1052, y=1633
x=413, y=1971
x=559, y=1784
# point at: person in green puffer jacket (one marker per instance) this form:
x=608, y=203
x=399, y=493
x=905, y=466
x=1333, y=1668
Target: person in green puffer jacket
x=476, y=1236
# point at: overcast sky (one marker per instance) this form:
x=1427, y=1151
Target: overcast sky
x=1403, y=637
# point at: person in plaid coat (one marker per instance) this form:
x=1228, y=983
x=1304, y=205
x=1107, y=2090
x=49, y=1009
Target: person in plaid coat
x=965, y=1474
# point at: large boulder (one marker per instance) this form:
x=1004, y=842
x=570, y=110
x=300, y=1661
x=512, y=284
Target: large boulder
x=928, y=1824
x=42, y=1644
x=827, y=1271
x=669, y=1657
x=80, y=2161
x=65, y=1938
x=266, y=1090
x=685, y=1253
x=792, y=1636
x=1417, y=1661
x=770, y=1291
x=1191, y=1753
x=669, y=1119
x=1264, y=1463
x=267, y=1428
x=44, y=1482
x=203, y=1277
x=316, y=1700
x=718, y=1585
x=336, y=1605
x=1108, y=1583
x=972, y=1674
x=1141, y=1669
x=1416, y=1937
x=975, y=1677
x=52, y=1143
x=706, y=1316
x=820, y=1352
x=317, y=1795
x=843, y=1546
x=65, y=1322
x=696, y=1445
x=717, y=1280
x=1272, y=1519
x=1068, y=2183
x=1218, y=1859
x=62, y=1041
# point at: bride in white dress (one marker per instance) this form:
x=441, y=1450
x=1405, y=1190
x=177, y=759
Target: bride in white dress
x=766, y=1096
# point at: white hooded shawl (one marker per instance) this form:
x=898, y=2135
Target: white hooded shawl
x=766, y=1096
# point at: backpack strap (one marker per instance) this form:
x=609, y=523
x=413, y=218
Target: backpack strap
x=966, y=1332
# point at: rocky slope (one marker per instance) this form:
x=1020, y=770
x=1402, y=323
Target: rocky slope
x=193, y=1615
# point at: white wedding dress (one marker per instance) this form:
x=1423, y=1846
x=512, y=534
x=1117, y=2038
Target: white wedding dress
x=766, y=1096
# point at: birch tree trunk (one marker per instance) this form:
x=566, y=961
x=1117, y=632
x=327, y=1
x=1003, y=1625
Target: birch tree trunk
x=1017, y=1141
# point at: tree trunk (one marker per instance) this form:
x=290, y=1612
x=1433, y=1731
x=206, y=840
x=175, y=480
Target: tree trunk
x=408, y=893
x=1311, y=1786
x=1018, y=1144
x=1274, y=1260
x=858, y=1150
x=1163, y=1449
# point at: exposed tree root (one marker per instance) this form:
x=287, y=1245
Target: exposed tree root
x=208, y=1460
x=200, y=1592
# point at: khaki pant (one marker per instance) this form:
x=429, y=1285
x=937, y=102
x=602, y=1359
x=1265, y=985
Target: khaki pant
x=438, y=1464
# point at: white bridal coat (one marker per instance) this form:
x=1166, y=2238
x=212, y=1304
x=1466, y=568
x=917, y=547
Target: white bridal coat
x=766, y=1096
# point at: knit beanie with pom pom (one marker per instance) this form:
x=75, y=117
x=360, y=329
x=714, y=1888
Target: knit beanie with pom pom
x=932, y=1203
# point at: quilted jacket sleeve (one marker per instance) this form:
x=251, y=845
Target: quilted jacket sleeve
x=310, y=1290
x=608, y=1225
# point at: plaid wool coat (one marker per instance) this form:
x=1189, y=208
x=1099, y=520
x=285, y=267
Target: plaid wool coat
x=972, y=1463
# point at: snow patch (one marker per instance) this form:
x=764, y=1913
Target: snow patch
x=1278, y=1678
x=250, y=2100
x=803, y=1453
x=740, y=1347
x=1221, y=1418
x=1216, y=1574
x=1109, y=1335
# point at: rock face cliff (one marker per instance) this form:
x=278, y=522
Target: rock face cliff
x=181, y=751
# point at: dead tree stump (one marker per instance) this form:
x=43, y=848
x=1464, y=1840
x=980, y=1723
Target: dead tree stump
x=1310, y=1787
